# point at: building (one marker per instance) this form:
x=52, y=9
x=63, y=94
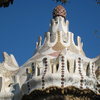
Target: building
x=58, y=70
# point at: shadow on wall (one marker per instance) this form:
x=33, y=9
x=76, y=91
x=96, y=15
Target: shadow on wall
x=17, y=94
x=0, y=83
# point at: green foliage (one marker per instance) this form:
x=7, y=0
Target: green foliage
x=62, y=1
x=5, y=3
x=98, y=1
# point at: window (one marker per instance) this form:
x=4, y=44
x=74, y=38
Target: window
x=44, y=60
x=74, y=65
x=68, y=65
x=52, y=70
x=38, y=71
x=57, y=66
x=88, y=70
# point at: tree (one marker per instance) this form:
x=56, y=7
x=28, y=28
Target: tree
x=5, y=3
x=98, y=1
x=62, y=1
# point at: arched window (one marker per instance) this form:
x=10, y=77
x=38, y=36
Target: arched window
x=88, y=70
x=68, y=65
x=52, y=68
x=74, y=65
x=44, y=60
x=0, y=83
x=57, y=67
x=38, y=71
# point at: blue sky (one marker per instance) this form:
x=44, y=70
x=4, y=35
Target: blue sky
x=23, y=22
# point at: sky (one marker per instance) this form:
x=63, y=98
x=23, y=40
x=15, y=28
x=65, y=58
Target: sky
x=23, y=22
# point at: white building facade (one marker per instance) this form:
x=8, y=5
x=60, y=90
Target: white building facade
x=58, y=63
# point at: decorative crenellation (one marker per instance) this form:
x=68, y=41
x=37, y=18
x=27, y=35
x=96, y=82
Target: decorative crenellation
x=68, y=70
x=58, y=38
x=8, y=71
x=58, y=46
x=39, y=43
x=73, y=65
